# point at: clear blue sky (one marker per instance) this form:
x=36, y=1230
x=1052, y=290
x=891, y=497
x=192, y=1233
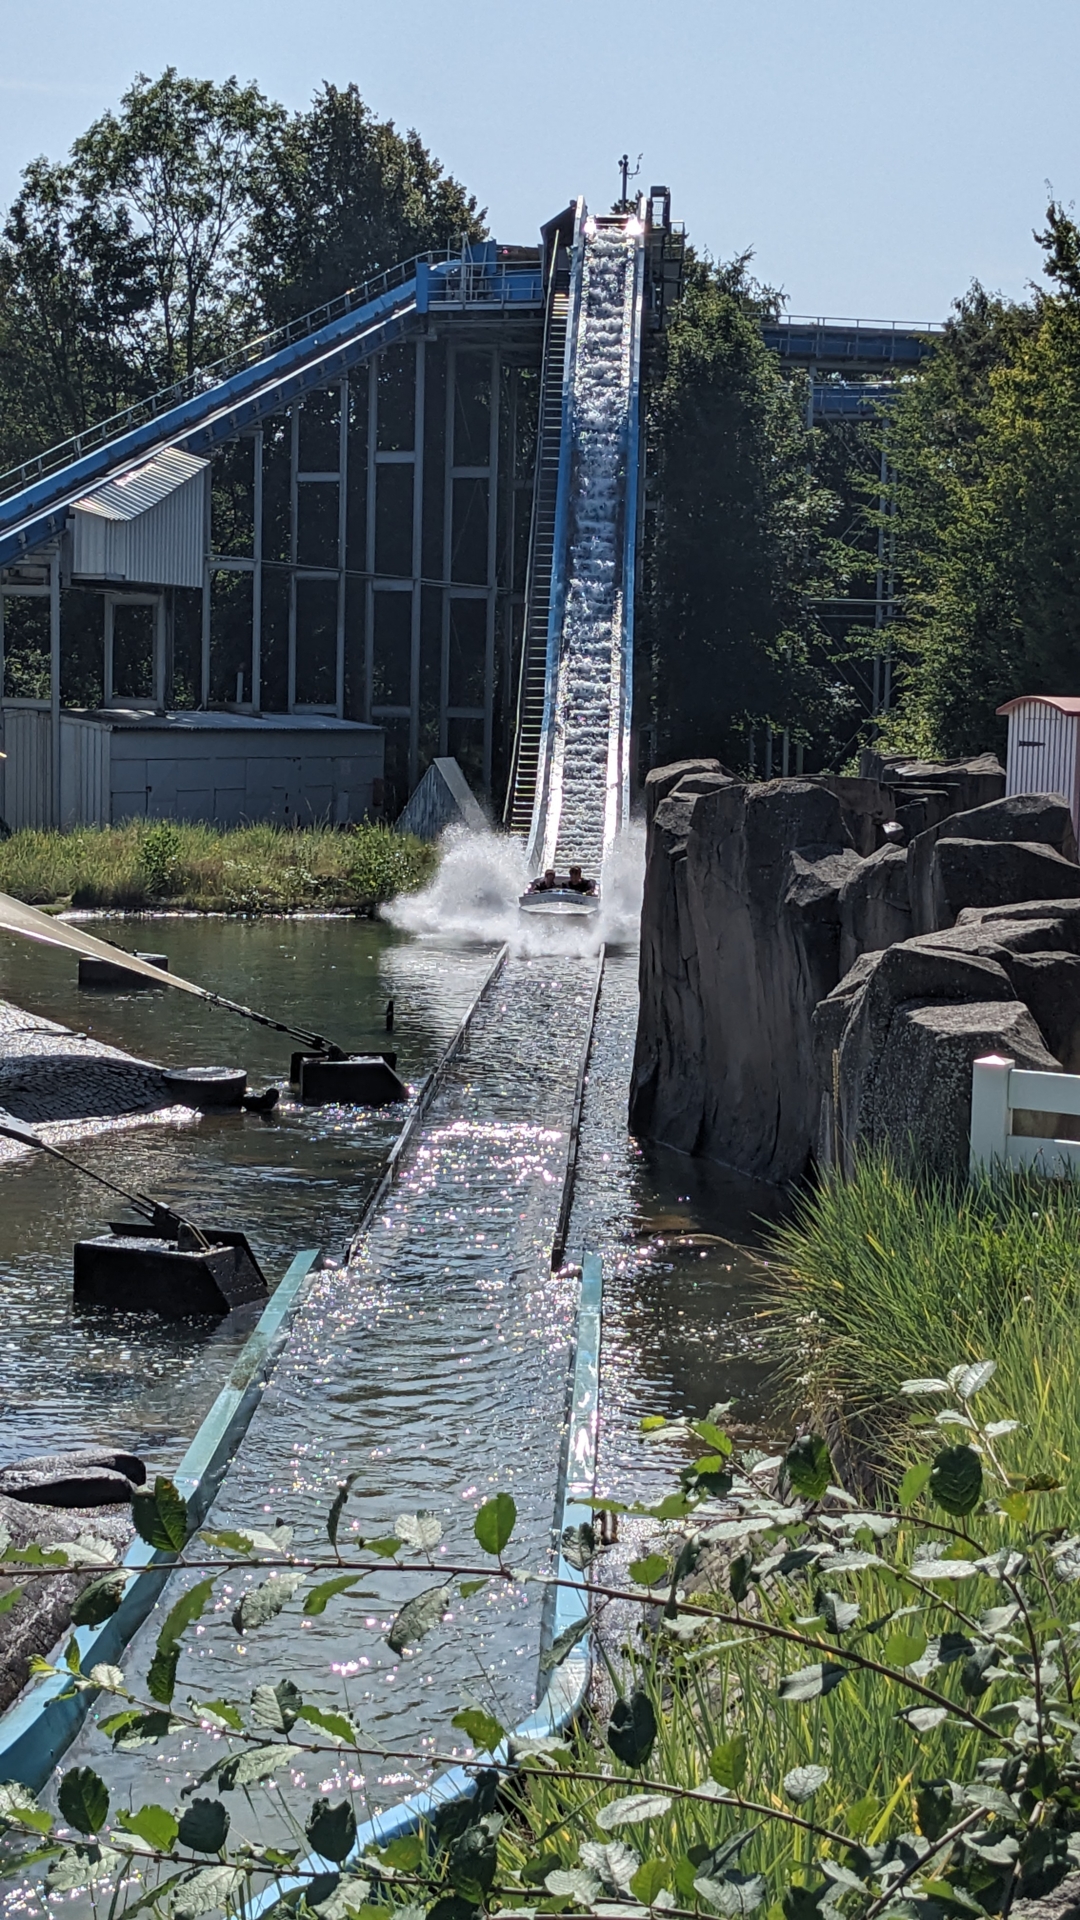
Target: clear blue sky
x=876, y=157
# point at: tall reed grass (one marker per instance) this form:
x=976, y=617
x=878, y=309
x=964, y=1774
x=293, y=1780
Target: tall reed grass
x=256, y=869
x=886, y=1274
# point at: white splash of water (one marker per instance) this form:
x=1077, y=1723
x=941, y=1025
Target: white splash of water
x=473, y=899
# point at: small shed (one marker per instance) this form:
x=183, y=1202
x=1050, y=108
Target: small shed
x=1042, y=755
x=226, y=769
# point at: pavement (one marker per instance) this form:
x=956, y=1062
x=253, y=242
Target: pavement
x=69, y=1086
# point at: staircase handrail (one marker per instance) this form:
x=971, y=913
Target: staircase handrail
x=201, y=379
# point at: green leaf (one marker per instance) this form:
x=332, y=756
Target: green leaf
x=972, y=1379
x=727, y=1762
x=318, y=1597
x=715, y=1439
x=160, y=1515
x=417, y=1617
x=405, y=1854
x=100, y=1599
x=10, y=1599
x=564, y=1644
x=632, y=1729
x=161, y=1679
x=903, y=1649
x=469, y=1587
x=956, y=1479
x=333, y=1518
x=204, y=1826
x=803, y=1782
x=331, y=1831
x=632, y=1809
x=84, y=1800
x=809, y=1466
x=211, y=1887
x=264, y=1602
x=494, y=1523
x=254, y=1764
x=838, y=1614
x=421, y=1531
x=188, y=1608
x=913, y=1483
x=578, y=1546
x=652, y=1423
x=385, y=1548
x=130, y=1730
x=18, y=1803
x=276, y=1707
x=483, y=1730
x=471, y=1861
x=649, y=1571
x=337, y=1725
x=808, y=1683
x=650, y=1879
x=156, y=1825
x=862, y=1815
x=110, y=1679
x=220, y=1710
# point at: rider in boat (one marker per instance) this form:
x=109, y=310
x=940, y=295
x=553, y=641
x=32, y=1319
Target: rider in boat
x=545, y=882
x=577, y=882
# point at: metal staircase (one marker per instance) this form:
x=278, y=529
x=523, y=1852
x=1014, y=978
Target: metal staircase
x=533, y=684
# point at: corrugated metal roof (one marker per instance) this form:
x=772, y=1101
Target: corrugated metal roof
x=1064, y=702
x=142, y=487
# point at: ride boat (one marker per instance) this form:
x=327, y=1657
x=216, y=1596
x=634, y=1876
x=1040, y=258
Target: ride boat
x=559, y=900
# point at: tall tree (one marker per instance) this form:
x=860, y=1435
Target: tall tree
x=740, y=534
x=345, y=196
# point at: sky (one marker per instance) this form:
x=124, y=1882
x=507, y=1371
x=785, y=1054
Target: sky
x=875, y=158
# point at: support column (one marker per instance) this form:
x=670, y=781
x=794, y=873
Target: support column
x=54, y=681
x=492, y=564
x=369, y=534
x=294, y=503
x=448, y=543
x=256, y=576
x=204, y=655
x=417, y=561
x=342, y=540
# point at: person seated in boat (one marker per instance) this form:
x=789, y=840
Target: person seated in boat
x=545, y=882
x=577, y=883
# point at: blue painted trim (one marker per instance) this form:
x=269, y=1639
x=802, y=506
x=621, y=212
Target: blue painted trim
x=569, y=1684
x=40, y=1725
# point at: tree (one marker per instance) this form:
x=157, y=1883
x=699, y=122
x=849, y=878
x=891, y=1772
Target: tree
x=740, y=533
x=986, y=446
x=346, y=195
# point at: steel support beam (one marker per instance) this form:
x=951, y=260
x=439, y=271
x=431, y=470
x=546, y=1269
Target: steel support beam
x=369, y=533
x=54, y=680
x=417, y=559
x=256, y=576
x=492, y=565
x=294, y=517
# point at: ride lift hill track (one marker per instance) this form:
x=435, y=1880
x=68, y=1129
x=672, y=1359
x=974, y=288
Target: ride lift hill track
x=433, y=489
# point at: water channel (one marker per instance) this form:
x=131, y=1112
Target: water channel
x=435, y=1367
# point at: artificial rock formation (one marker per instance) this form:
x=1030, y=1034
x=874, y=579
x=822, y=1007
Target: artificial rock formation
x=801, y=997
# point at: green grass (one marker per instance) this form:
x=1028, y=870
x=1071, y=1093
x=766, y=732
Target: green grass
x=257, y=869
x=887, y=1275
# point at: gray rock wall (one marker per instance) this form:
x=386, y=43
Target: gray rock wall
x=810, y=985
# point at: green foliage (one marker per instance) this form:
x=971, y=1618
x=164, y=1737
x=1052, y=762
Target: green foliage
x=259, y=869
x=495, y=1523
x=160, y=1516
x=985, y=444
x=184, y=223
x=883, y=1723
x=871, y=1270
x=740, y=532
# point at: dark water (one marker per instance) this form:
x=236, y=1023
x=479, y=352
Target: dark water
x=295, y=1179
x=435, y=1368
x=683, y=1242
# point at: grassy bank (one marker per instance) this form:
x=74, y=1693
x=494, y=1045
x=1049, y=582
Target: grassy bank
x=258, y=869
x=883, y=1276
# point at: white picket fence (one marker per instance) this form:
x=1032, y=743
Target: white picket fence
x=998, y=1088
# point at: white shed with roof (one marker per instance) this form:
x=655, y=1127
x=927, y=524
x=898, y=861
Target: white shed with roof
x=149, y=525
x=1042, y=754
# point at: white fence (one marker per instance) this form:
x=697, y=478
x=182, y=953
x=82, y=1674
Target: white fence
x=998, y=1089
